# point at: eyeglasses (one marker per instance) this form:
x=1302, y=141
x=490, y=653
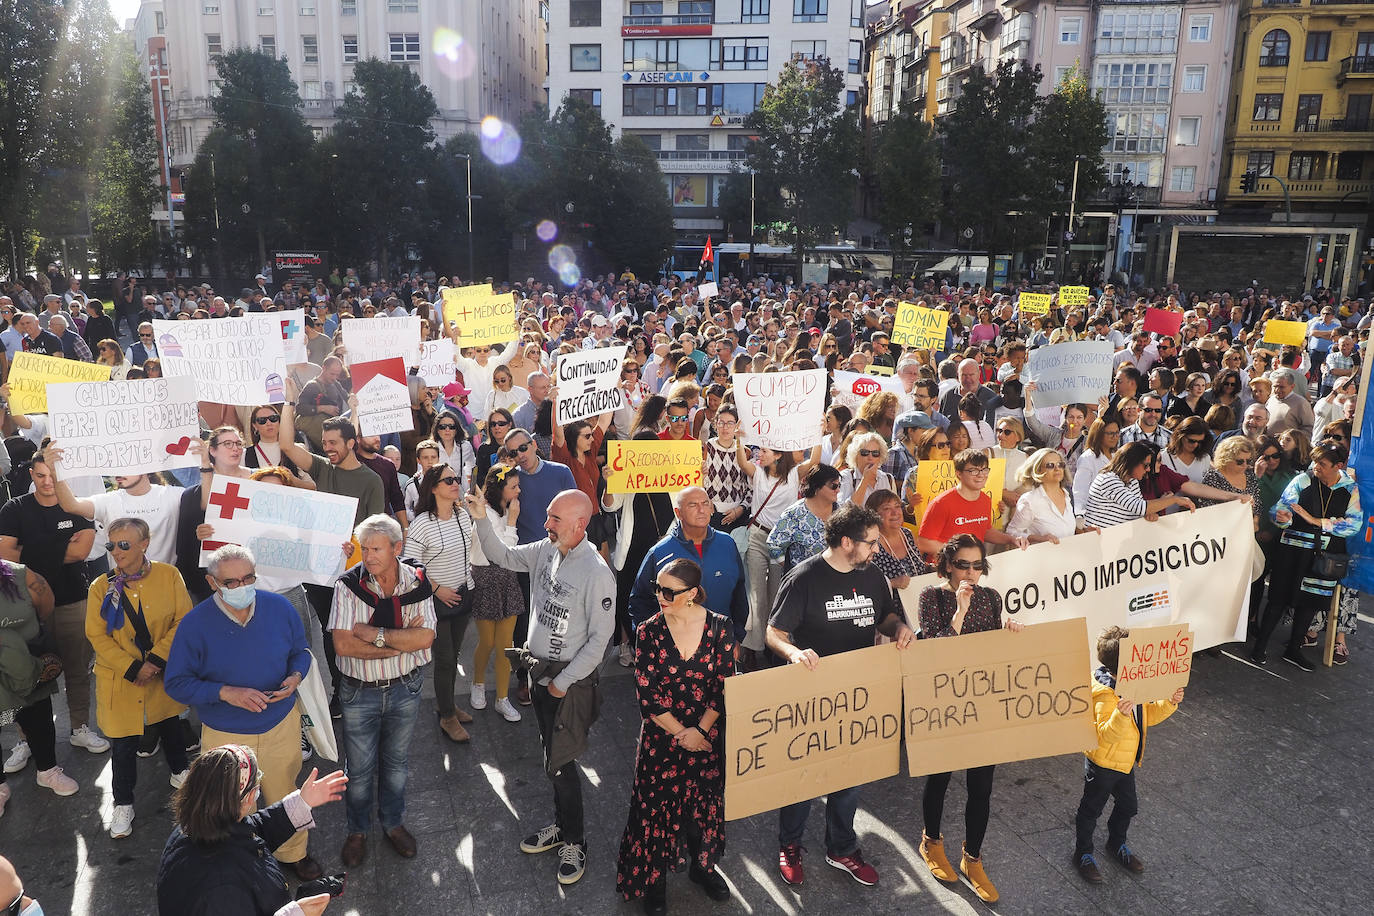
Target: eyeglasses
x=448, y=481
x=870, y=453
x=670, y=593
x=677, y=418
x=1006, y=432
x=228, y=443
x=122, y=545
x=235, y=583
x=977, y=472
x=263, y=421
x=980, y=565
x=447, y=426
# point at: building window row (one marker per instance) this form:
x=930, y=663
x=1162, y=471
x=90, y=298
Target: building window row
x=1312, y=165
x=672, y=101
x=1134, y=82
x=694, y=53
x=1139, y=131
x=1138, y=33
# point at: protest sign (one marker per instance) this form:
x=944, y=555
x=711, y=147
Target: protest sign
x=31, y=373
x=124, y=428
x=435, y=365
x=1034, y=303
x=994, y=697
x=708, y=291
x=383, y=397
x=648, y=466
x=293, y=335
x=1078, y=372
x=233, y=360
x=852, y=387
x=1163, y=322
x=1132, y=575
x=1285, y=332
x=1070, y=296
x=794, y=734
x=1153, y=662
x=917, y=326
x=588, y=383
x=294, y=534
x=935, y=477
x=366, y=340
x=781, y=410
x=481, y=317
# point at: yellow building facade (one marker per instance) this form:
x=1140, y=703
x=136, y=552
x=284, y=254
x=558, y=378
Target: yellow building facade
x=904, y=59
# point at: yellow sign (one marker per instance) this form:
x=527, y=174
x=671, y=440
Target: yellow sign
x=935, y=477
x=916, y=326
x=31, y=373
x=876, y=369
x=1285, y=332
x=1036, y=303
x=480, y=316
x=647, y=466
x=1072, y=295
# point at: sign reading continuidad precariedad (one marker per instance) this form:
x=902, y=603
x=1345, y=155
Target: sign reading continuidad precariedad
x=1153, y=662
x=589, y=383
x=652, y=466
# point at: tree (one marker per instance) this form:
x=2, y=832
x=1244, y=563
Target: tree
x=127, y=173
x=1070, y=126
x=806, y=147
x=491, y=207
x=906, y=171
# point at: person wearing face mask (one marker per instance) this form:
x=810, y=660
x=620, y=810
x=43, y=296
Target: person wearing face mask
x=12, y=889
x=238, y=658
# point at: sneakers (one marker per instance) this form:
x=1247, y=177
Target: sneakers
x=121, y=822
x=1259, y=657
x=507, y=711
x=542, y=841
x=933, y=853
x=59, y=782
x=148, y=744
x=522, y=695
x=84, y=737
x=627, y=655
x=190, y=737
x=306, y=750
x=790, y=864
x=4, y=797
x=1088, y=870
x=854, y=863
x=479, y=696
x=1309, y=640
x=18, y=758
x=1298, y=660
x=982, y=884
x=572, y=862
x=1129, y=860
x=178, y=778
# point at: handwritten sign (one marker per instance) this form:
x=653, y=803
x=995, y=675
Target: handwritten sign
x=366, y=340
x=31, y=373
x=995, y=697
x=1163, y=322
x=435, y=365
x=1070, y=373
x=1034, y=303
x=383, y=397
x=1285, y=332
x=936, y=477
x=293, y=335
x=232, y=360
x=708, y=291
x=916, y=326
x=1070, y=296
x=781, y=410
x=588, y=383
x=124, y=428
x=646, y=466
x=852, y=387
x=1153, y=662
x=480, y=316
x=794, y=734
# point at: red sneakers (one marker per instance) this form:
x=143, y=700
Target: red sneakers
x=854, y=863
x=790, y=864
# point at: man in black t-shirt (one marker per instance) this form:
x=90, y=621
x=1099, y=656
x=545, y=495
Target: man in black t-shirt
x=827, y=604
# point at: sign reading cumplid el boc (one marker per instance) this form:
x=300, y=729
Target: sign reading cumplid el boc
x=232, y=360
x=781, y=410
x=124, y=428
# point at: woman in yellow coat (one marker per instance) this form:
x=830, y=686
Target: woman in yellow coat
x=131, y=618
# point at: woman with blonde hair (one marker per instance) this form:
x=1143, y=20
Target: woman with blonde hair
x=1045, y=512
x=108, y=353
x=863, y=474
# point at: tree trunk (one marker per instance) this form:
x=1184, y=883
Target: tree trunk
x=262, y=251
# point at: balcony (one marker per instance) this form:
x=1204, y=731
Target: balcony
x=1274, y=60
x=1355, y=67
x=1335, y=125
x=1340, y=2
x=1326, y=188
x=694, y=19
x=984, y=14
x=1013, y=33
x=701, y=155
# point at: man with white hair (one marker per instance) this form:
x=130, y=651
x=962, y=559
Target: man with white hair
x=73, y=347
x=968, y=384
x=35, y=339
x=1288, y=409
x=1252, y=426
x=145, y=348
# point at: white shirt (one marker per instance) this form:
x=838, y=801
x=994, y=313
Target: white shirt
x=784, y=496
x=158, y=507
x=1036, y=514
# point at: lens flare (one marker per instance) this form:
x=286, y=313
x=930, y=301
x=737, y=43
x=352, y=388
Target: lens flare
x=500, y=142
x=455, y=56
x=570, y=274
x=563, y=260
x=546, y=230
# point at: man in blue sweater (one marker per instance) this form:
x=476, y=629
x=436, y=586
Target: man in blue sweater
x=238, y=658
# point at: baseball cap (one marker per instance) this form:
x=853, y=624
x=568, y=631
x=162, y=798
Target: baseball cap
x=599, y=321
x=912, y=419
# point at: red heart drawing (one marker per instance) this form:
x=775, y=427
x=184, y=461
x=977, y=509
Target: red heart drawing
x=180, y=446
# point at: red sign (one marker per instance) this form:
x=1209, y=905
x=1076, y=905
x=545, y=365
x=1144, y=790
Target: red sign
x=1163, y=321
x=650, y=31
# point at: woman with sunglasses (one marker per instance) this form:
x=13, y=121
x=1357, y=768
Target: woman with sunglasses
x=455, y=450
x=499, y=422
x=218, y=859
x=800, y=530
x=1226, y=391
x=264, y=425
x=863, y=474
x=1189, y=451
x=960, y=606
x=504, y=393
x=1046, y=511
x=108, y=353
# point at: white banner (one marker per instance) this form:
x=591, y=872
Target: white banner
x=368, y=339
x=588, y=383
x=436, y=362
x=293, y=335
x=123, y=428
x=233, y=360
x=1078, y=372
x=781, y=410
x=852, y=387
x=296, y=535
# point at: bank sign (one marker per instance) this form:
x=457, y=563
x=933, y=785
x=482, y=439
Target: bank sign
x=667, y=76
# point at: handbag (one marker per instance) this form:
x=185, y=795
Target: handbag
x=313, y=700
x=1329, y=565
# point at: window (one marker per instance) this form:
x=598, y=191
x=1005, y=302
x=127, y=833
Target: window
x=1182, y=177
x=1070, y=30
x=1306, y=166
x=664, y=101
x=308, y=8
x=350, y=49
x=584, y=13
x=754, y=11
x=652, y=141
x=403, y=6
x=213, y=45
x=211, y=8
x=694, y=142
x=404, y=47
x=1061, y=74
x=1134, y=82
x=1309, y=111
x=739, y=54
x=650, y=8
x=265, y=8
x=851, y=98
x=1200, y=29
x=349, y=87
x=696, y=8
x=1195, y=78
x=585, y=57
x=1145, y=172
x=1137, y=33
x=310, y=89
x=808, y=50
x=348, y=7
x=1267, y=106
x=591, y=96
x=1139, y=131
x=1349, y=166
x=856, y=50
x=737, y=143
x=1261, y=162
x=1357, y=111
x=216, y=86
x=159, y=22
x=1274, y=49
x=1318, y=46
x=268, y=45
x=1189, y=129
x=310, y=49
x=810, y=10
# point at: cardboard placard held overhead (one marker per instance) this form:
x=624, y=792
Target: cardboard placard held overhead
x=996, y=697
x=232, y=360
x=781, y=410
x=436, y=362
x=383, y=397
x=369, y=339
x=1070, y=296
x=917, y=326
x=31, y=373
x=1153, y=662
x=645, y=466
x=1078, y=372
x=708, y=291
x=123, y=428
x=793, y=734
x=481, y=316
x=293, y=335
x=588, y=383
x=1285, y=332
x=1033, y=303
x=852, y=387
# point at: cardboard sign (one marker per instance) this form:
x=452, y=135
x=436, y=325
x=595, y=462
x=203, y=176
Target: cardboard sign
x=435, y=365
x=383, y=397
x=781, y=410
x=293, y=335
x=708, y=291
x=794, y=734
x=1153, y=662
x=31, y=373
x=294, y=534
x=480, y=316
x=588, y=383
x=1034, y=303
x=1128, y=575
x=124, y=428
x=1285, y=332
x=1078, y=372
x=232, y=360
x=1073, y=296
x=645, y=466
x=995, y=697
x=851, y=388
x=917, y=326
x=935, y=477
x=366, y=340
x=1163, y=322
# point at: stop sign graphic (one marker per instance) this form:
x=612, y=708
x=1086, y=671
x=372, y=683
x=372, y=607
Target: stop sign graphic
x=866, y=386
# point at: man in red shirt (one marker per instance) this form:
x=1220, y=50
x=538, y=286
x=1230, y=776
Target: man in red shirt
x=966, y=509
x=679, y=412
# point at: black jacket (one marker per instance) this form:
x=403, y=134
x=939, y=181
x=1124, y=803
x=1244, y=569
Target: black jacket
x=238, y=877
x=98, y=328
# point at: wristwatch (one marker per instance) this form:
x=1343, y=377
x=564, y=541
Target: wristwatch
x=380, y=641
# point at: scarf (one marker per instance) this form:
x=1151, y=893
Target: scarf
x=111, y=608
x=387, y=611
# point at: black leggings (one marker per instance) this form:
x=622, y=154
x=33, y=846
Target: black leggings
x=975, y=812
x=40, y=732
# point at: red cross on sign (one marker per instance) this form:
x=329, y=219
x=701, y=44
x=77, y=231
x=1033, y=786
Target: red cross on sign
x=464, y=313
x=229, y=501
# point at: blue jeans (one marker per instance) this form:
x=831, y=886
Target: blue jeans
x=377, y=726
x=840, y=807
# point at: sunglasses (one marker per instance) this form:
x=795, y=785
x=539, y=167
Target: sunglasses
x=870, y=453
x=148, y=336
x=448, y=481
x=521, y=449
x=122, y=545
x=263, y=421
x=1006, y=432
x=1053, y=467
x=1151, y=410
x=1269, y=456
x=980, y=565
x=669, y=593
x=1193, y=440
x=495, y=423
x=235, y=583
x=446, y=426
x=944, y=444
x=677, y=418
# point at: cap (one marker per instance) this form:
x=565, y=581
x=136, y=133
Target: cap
x=599, y=321
x=455, y=390
x=260, y=277
x=51, y=296
x=912, y=419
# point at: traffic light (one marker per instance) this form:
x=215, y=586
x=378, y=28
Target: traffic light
x=1249, y=183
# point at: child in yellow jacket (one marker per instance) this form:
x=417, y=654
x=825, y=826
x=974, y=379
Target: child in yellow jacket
x=1109, y=770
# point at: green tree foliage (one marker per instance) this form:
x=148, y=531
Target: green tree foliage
x=905, y=168
x=127, y=174
x=1070, y=124
x=491, y=210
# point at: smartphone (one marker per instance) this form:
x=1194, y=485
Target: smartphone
x=333, y=885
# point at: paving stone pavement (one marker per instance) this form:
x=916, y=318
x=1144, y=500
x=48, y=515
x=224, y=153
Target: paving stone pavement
x=1255, y=798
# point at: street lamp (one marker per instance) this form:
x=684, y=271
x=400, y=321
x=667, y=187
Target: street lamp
x=1068, y=229
x=752, y=174
x=467, y=160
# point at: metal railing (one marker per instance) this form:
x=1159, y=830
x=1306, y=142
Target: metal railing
x=1274, y=60
x=712, y=155
x=1357, y=64
x=693, y=19
x=1334, y=125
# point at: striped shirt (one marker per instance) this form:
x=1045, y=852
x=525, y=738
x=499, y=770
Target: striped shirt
x=1113, y=501
x=443, y=548
x=349, y=610
x=1134, y=433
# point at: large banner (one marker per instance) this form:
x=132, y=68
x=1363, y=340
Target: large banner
x=31, y=373
x=793, y=734
x=302, y=266
x=781, y=410
x=1078, y=372
x=1189, y=567
x=648, y=466
x=588, y=383
x=124, y=428
x=233, y=360
x=481, y=317
x=369, y=339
